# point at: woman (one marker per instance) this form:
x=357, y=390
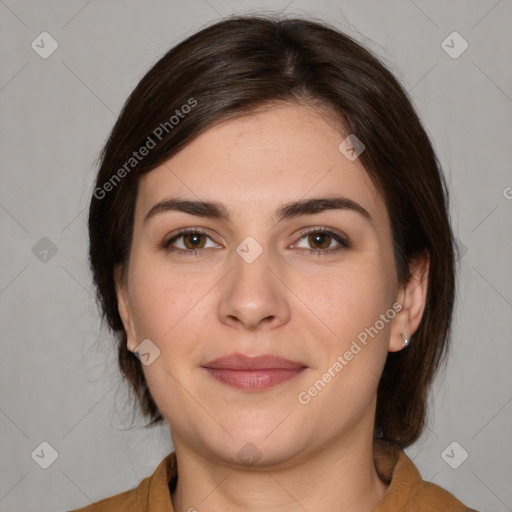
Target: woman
x=270, y=243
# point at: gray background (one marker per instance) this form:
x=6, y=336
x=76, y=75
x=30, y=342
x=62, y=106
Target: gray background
x=59, y=380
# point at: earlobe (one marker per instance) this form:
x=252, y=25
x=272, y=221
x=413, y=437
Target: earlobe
x=412, y=297
x=406, y=341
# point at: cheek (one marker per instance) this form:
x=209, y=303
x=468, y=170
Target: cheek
x=152, y=306
x=348, y=299
x=170, y=305
x=357, y=305
x=159, y=295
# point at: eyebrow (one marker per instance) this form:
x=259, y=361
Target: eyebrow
x=215, y=210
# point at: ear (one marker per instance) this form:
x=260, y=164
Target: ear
x=412, y=297
x=123, y=306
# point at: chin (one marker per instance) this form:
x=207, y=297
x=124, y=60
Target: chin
x=259, y=446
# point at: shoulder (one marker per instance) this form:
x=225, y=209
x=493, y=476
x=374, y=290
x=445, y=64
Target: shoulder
x=434, y=498
x=151, y=494
x=407, y=490
x=122, y=502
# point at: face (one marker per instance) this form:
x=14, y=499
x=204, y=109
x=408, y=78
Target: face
x=311, y=284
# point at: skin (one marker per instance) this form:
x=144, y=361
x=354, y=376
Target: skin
x=289, y=302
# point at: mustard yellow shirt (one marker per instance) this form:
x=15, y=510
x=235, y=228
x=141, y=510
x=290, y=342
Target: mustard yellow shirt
x=407, y=491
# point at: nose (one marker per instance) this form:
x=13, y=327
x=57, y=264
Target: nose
x=254, y=295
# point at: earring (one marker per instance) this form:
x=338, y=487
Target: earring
x=406, y=341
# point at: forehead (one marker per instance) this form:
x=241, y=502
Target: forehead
x=255, y=163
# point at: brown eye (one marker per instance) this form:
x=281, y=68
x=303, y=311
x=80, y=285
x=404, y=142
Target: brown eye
x=322, y=240
x=188, y=241
x=193, y=240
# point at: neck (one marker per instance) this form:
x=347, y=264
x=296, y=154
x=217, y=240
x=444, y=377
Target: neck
x=337, y=477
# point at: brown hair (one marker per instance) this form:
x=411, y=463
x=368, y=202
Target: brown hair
x=246, y=62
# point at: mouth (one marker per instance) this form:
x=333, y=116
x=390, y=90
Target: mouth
x=255, y=373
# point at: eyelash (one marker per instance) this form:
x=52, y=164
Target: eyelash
x=344, y=243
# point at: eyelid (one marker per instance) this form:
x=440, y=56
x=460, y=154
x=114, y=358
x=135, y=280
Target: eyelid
x=326, y=230
x=185, y=231
x=342, y=240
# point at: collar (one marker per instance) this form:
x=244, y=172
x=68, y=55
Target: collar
x=406, y=491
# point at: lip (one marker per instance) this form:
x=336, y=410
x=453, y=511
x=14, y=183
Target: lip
x=254, y=373
x=262, y=362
